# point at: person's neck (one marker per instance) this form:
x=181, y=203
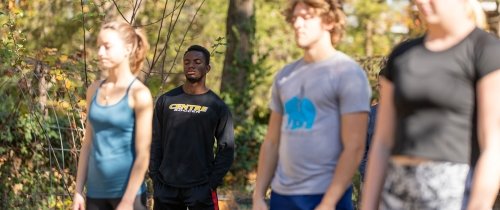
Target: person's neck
x=195, y=88
x=319, y=51
x=443, y=36
x=120, y=75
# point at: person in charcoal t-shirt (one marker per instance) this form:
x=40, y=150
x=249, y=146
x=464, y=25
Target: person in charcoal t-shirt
x=187, y=121
x=439, y=96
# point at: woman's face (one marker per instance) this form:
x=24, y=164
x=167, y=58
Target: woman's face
x=112, y=50
x=439, y=11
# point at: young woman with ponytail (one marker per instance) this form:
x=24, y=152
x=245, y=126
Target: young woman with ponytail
x=439, y=101
x=115, y=153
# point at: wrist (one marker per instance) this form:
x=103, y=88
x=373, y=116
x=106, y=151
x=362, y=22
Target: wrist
x=127, y=200
x=79, y=191
x=258, y=195
x=327, y=200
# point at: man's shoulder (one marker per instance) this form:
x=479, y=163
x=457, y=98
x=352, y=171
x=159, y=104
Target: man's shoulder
x=344, y=65
x=217, y=99
x=288, y=68
x=173, y=92
x=218, y=102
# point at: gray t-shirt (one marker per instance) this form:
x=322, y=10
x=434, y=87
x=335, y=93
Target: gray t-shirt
x=312, y=97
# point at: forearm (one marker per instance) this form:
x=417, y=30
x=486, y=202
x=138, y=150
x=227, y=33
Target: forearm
x=155, y=158
x=222, y=164
x=156, y=148
x=136, y=177
x=486, y=180
x=81, y=174
x=347, y=166
x=375, y=176
x=268, y=160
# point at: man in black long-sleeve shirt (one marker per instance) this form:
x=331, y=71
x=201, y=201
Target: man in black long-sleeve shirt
x=187, y=121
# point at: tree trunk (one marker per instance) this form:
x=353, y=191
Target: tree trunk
x=240, y=33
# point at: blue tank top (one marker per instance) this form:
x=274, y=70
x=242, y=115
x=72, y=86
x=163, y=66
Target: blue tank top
x=112, y=152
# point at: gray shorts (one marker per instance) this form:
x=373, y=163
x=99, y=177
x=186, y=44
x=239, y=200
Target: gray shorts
x=430, y=185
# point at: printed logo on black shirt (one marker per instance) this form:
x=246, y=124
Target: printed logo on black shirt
x=188, y=108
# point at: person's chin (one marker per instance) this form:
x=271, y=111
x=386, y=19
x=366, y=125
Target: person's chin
x=301, y=44
x=192, y=79
x=106, y=65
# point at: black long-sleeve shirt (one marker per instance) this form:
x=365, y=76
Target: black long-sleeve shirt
x=184, y=131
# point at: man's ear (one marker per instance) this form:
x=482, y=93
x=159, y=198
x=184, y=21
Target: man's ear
x=208, y=68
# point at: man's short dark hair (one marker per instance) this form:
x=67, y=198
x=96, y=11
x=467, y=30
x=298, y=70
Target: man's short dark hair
x=201, y=49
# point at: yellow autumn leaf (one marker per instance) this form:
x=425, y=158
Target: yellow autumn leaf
x=59, y=77
x=63, y=58
x=85, y=9
x=82, y=103
x=49, y=51
x=17, y=188
x=16, y=10
x=65, y=105
x=67, y=84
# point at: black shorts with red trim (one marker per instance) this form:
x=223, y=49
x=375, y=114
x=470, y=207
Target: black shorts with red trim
x=200, y=197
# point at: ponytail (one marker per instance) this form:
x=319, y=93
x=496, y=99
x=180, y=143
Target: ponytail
x=139, y=50
x=476, y=13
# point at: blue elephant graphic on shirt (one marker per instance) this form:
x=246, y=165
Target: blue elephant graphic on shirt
x=301, y=113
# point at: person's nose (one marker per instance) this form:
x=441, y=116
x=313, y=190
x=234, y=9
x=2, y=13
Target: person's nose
x=100, y=52
x=298, y=22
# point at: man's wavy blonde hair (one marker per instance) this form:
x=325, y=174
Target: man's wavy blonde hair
x=330, y=11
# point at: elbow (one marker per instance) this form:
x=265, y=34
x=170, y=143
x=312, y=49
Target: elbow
x=359, y=152
x=227, y=146
x=142, y=161
x=355, y=150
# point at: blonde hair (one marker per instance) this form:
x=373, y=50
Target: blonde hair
x=329, y=10
x=136, y=38
x=476, y=13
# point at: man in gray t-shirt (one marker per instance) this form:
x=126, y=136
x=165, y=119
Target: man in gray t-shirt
x=316, y=135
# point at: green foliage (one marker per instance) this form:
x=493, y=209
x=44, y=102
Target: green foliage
x=250, y=129
x=373, y=66
x=270, y=53
x=35, y=175
x=364, y=15
x=249, y=136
